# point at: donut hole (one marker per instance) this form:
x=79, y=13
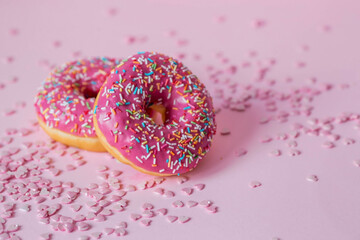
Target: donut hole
x=90, y=93
x=158, y=113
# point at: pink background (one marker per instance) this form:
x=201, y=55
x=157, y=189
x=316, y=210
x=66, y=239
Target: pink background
x=286, y=206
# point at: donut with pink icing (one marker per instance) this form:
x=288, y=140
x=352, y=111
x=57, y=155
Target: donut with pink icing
x=153, y=81
x=64, y=103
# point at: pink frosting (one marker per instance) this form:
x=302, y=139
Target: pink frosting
x=66, y=99
x=152, y=78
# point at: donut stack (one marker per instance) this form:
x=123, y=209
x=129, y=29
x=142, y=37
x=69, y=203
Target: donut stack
x=149, y=111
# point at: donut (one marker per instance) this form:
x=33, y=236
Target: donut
x=153, y=81
x=64, y=103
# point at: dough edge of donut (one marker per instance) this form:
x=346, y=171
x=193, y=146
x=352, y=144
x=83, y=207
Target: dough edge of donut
x=115, y=153
x=92, y=144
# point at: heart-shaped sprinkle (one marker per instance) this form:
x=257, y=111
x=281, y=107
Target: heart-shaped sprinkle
x=178, y=203
x=13, y=228
x=169, y=194
x=187, y=191
x=150, y=184
x=82, y=226
x=212, y=209
x=100, y=218
x=357, y=163
x=171, y=218
x=159, y=180
x=312, y=178
x=148, y=214
x=130, y=188
x=328, y=145
x=106, y=212
x=145, y=222
x=91, y=203
x=147, y=206
x=199, y=186
x=135, y=216
x=108, y=231
x=162, y=211
x=184, y=219
x=182, y=179
x=75, y=207
x=205, y=203
x=122, y=225
x=255, y=184
x=79, y=218
x=102, y=168
x=96, y=209
x=159, y=191
x=25, y=208
x=115, y=198
x=191, y=204
x=120, y=232
x=96, y=235
x=115, y=173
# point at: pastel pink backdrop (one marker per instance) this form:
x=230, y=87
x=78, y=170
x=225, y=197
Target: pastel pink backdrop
x=286, y=206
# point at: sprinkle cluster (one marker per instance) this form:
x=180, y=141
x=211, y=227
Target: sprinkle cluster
x=152, y=78
x=66, y=98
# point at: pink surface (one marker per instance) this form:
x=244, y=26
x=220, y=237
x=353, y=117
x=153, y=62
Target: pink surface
x=268, y=66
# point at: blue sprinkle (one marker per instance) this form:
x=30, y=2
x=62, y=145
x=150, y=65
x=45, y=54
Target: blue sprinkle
x=150, y=60
x=135, y=90
x=186, y=108
x=148, y=74
x=137, y=140
x=95, y=109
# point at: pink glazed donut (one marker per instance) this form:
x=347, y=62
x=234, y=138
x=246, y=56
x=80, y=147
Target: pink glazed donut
x=64, y=104
x=123, y=124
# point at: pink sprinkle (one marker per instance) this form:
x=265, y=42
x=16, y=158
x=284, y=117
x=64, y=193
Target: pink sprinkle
x=275, y=153
x=328, y=145
x=312, y=178
x=184, y=219
x=14, y=31
x=8, y=59
x=113, y=11
x=70, y=167
x=348, y=141
x=357, y=163
x=169, y=194
x=122, y=225
x=135, y=216
x=259, y=23
x=162, y=211
x=220, y=19
x=172, y=218
x=102, y=168
x=199, y=186
x=147, y=206
x=178, y=203
x=191, y=204
x=120, y=232
x=56, y=44
x=108, y=231
x=187, y=191
x=145, y=222
x=255, y=184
